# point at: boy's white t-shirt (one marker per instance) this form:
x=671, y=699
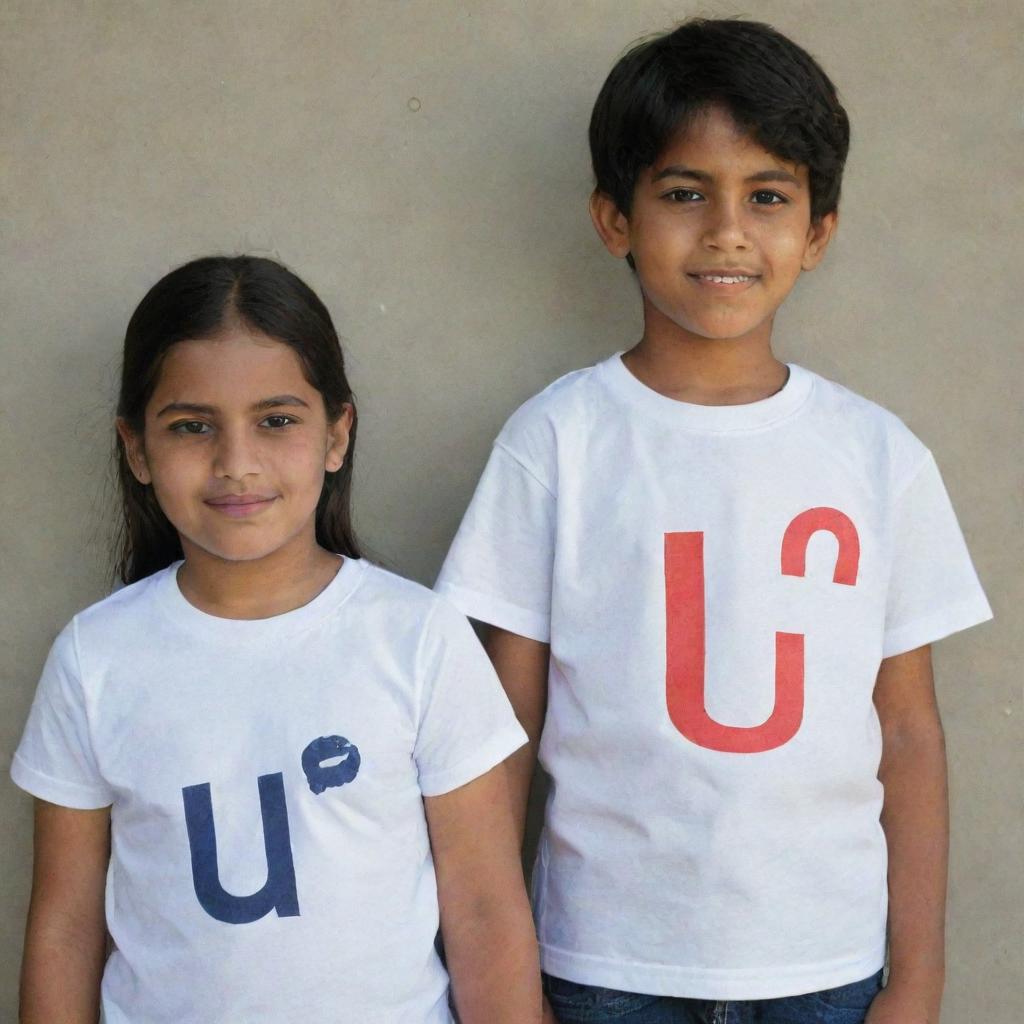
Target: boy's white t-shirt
x=270, y=858
x=712, y=831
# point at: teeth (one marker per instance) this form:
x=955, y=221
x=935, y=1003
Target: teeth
x=724, y=280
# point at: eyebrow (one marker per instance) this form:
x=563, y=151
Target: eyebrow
x=209, y=410
x=705, y=178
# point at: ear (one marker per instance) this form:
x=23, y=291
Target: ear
x=819, y=234
x=134, y=451
x=337, y=438
x=611, y=224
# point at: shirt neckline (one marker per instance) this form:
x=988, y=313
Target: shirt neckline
x=345, y=581
x=711, y=419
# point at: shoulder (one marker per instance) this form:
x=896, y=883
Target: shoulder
x=422, y=630
x=101, y=632
x=534, y=431
x=124, y=608
x=873, y=431
x=405, y=606
x=561, y=397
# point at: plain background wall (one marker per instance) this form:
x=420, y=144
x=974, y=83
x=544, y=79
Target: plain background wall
x=423, y=165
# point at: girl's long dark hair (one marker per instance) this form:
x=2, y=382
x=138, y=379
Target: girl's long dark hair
x=196, y=301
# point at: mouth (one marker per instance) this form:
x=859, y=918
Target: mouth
x=240, y=505
x=724, y=279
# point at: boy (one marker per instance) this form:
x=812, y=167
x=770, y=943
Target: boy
x=738, y=567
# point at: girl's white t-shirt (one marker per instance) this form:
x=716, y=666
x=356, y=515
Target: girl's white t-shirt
x=270, y=858
x=718, y=585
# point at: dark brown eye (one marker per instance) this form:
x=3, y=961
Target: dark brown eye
x=190, y=427
x=683, y=195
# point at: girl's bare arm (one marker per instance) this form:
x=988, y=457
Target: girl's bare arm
x=522, y=667
x=488, y=932
x=65, y=940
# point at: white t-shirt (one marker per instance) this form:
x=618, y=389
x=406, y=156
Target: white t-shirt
x=711, y=832
x=270, y=858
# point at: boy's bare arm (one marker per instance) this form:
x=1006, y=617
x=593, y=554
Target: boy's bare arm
x=915, y=817
x=522, y=667
x=65, y=940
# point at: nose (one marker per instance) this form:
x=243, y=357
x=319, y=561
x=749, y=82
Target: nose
x=236, y=455
x=725, y=230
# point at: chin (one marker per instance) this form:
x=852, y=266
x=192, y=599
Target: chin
x=724, y=330
x=716, y=333
x=727, y=327
x=237, y=552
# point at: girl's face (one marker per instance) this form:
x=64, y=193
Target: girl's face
x=235, y=445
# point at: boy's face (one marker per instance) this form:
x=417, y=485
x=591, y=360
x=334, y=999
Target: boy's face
x=720, y=230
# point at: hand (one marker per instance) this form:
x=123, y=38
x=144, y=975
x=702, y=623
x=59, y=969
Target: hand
x=896, y=1006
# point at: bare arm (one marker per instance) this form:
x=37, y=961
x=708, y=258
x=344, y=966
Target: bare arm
x=522, y=667
x=915, y=817
x=65, y=940
x=485, y=916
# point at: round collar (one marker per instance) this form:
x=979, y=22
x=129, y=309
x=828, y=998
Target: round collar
x=345, y=581
x=712, y=419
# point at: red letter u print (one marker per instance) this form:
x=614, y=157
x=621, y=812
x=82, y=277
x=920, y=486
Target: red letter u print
x=685, y=646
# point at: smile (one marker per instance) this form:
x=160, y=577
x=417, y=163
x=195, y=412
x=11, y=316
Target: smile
x=724, y=278
x=237, y=506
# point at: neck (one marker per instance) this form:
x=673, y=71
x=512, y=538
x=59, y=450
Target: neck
x=705, y=371
x=259, y=588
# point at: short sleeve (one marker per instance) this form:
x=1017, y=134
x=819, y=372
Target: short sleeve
x=466, y=723
x=499, y=567
x=933, y=588
x=55, y=759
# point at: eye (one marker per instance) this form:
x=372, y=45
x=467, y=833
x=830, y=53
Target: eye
x=683, y=195
x=277, y=421
x=766, y=197
x=190, y=427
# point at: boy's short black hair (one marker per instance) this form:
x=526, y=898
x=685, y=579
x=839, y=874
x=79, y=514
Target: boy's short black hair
x=771, y=87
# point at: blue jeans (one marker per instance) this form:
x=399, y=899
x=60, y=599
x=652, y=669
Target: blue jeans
x=588, y=1004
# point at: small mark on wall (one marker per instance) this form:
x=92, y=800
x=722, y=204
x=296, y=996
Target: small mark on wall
x=414, y=104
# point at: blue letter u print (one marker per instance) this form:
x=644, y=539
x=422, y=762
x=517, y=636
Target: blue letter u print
x=278, y=893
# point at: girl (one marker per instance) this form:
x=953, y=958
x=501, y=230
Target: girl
x=281, y=764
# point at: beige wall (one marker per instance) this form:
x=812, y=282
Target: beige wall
x=452, y=243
